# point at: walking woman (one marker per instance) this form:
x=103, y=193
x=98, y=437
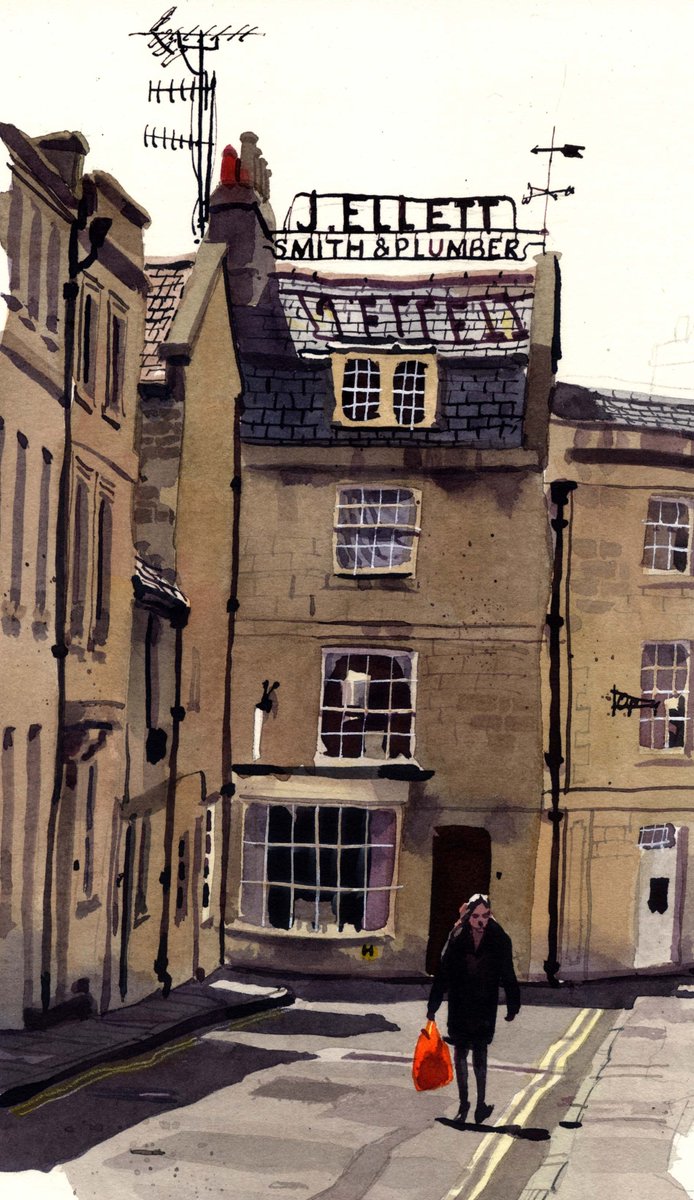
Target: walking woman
x=476, y=959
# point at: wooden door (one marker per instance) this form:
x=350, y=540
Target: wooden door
x=461, y=866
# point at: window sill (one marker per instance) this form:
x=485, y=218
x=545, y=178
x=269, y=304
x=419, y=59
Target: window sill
x=113, y=419
x=379, y=423
x=242, y=930
x=682, y=583
x=670, y=758
x=335, y=768
x=372, y=576
x=84, y=400
x=83, y=908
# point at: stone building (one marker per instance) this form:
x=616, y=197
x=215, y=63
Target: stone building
x=624, y=675
x=74, y=244
x=365, y=458
x=36, y=212
x=167, y=932
x=109, y=333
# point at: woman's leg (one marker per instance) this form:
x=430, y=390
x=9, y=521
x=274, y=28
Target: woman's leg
x=479, y=1066
x=460, y=1064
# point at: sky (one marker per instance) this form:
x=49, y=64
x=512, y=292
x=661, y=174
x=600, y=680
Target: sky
x=427, y=98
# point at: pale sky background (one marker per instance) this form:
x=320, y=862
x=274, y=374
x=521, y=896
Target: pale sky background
x=428, y=98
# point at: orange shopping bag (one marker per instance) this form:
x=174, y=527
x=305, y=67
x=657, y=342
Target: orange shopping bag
x=431, y=1066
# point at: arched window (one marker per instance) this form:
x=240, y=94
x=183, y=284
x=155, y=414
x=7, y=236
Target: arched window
x=34, y=279
x=15, y=239
x=80, y=559
x=17, y=562
x=52, y=279
x=103, y=572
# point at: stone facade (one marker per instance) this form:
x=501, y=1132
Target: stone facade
x=267, y=423
x=621, y=454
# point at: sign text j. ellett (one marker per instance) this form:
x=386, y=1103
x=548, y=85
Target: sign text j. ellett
x=355, y=226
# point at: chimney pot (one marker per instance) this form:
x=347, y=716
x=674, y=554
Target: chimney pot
x=230, y=167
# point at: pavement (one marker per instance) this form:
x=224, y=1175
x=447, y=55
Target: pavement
x=33, y=1060
x=630, y=1129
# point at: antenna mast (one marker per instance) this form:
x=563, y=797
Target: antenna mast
x=191, y=46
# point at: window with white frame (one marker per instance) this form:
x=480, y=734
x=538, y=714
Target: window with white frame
x=667, y=543
x=408, y=393
x=657, y=837
x=313, y=868
x=385, y=390
x=665, y=679
x=367, y=704
x=376, y=530
x=361, y=389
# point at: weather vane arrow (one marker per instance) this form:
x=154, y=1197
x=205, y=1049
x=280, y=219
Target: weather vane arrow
x=569, y=151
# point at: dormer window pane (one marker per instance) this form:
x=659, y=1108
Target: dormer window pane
x=408, y=393
x=361, y=390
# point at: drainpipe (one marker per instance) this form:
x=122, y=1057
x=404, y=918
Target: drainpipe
x=559, y=492
x=161, y=962
x=97, y=232
x=227, y=788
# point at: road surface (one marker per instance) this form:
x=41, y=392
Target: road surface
x=315, y=1101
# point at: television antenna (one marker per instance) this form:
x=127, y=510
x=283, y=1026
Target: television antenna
x=191, y=46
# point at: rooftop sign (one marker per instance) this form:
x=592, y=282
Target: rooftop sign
x=372, y=228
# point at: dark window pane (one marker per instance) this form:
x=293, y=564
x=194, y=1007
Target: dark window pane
x=305, y=824
x=328, y=868
x=279, y=864
x=305, y=866
x=401, y=722
x=400, y=745
x=352, y=746
x=280, y=824
x=327, y=825
x=354, y=825
x=402, y=697
x=379, y=695
x=279, y=907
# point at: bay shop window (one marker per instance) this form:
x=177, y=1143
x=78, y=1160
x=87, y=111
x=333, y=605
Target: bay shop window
x=315, y=868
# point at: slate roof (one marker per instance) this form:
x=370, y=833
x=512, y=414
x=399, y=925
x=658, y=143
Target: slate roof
x=475, y=315
x=167, y=277
x=637, y=409
x=152, y=588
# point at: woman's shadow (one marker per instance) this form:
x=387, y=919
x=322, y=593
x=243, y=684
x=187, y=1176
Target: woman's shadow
x=516, y=1131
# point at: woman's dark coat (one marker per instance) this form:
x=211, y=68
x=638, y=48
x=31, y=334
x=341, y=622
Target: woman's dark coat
x=472, y=978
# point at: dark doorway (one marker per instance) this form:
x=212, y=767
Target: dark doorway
x=461, y=865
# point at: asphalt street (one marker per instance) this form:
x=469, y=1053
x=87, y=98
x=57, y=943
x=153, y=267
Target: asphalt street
x=312, y=1101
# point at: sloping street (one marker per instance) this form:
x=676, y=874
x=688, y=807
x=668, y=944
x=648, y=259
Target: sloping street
x=316, y=1100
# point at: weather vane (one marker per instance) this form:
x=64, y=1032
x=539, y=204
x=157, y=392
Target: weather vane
x=533, y=193
x=168, y=44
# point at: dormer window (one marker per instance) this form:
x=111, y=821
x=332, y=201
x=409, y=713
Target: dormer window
x=390, y=390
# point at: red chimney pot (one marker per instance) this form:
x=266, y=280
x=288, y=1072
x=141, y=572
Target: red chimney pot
x=230, y=167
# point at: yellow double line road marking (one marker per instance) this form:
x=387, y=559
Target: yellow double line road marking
x=60, y=1090
x=494, y=1147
